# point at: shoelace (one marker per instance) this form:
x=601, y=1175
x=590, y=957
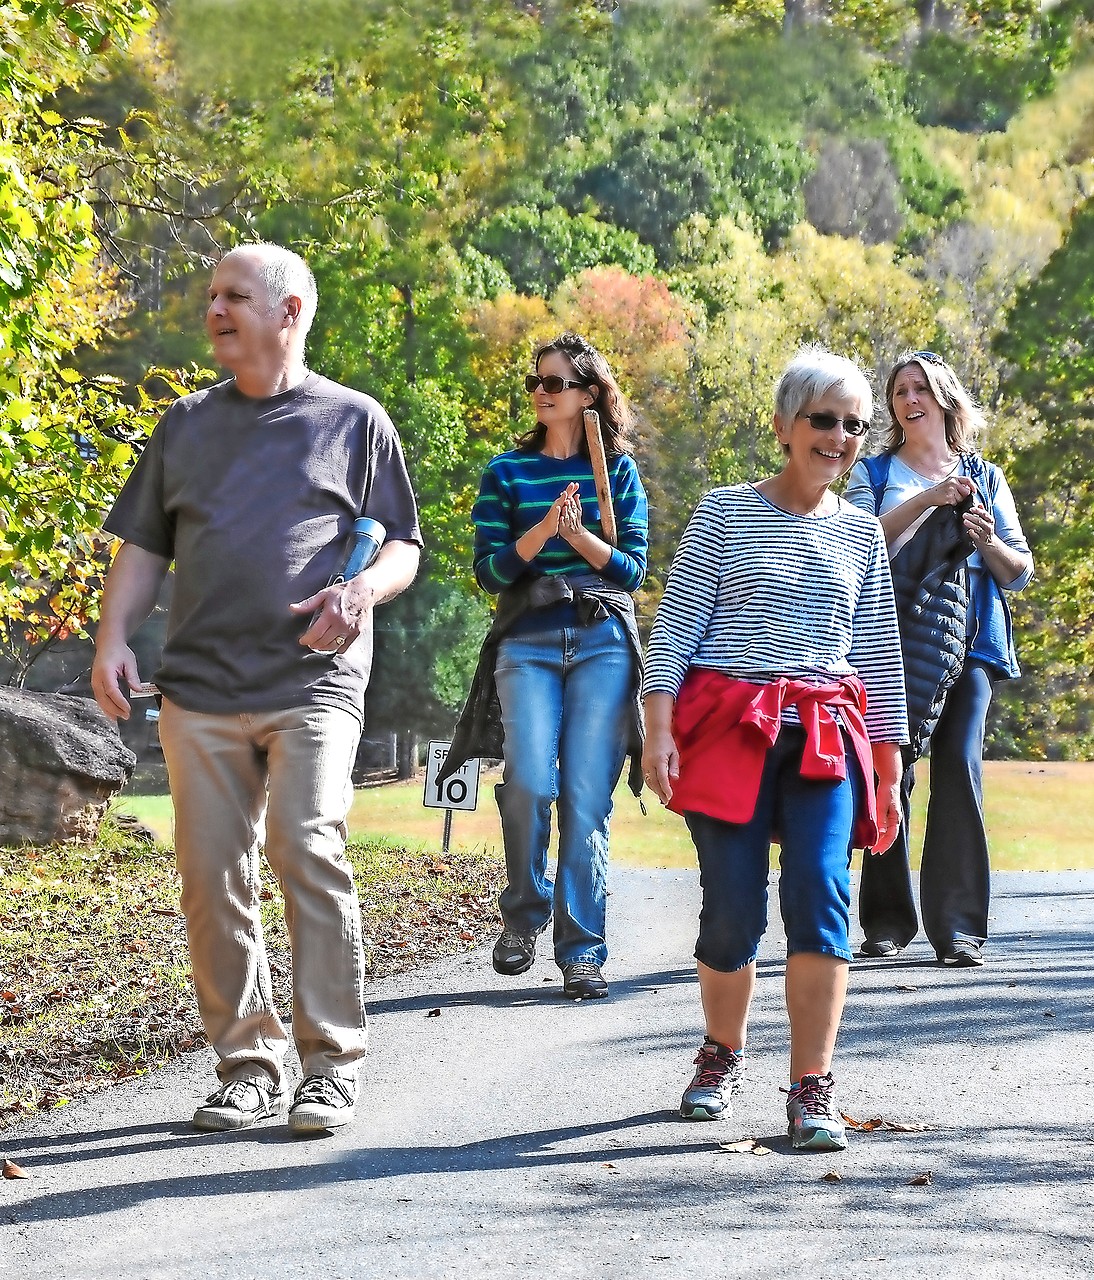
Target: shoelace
x=233, y=1094
x=516, y=940
x=582, y=970
x=323, y=1089
x=713, y=1068
x=814, y=1098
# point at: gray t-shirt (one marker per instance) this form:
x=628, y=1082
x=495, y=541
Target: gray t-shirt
x=254, y=501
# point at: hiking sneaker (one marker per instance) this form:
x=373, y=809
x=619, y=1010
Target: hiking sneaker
x=879, y=949
x=583, y=980
x=963, y=955
x=237, y=1105
x=812, y=1121
x=514, y=952
x=322, y=1102
x=710, y=1094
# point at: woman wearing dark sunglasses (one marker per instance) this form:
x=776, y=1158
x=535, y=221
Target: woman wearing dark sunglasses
x=777, y=621
x=926, y=486
x=556, y=690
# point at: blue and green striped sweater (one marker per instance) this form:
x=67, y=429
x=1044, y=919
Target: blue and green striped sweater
x=517, y=488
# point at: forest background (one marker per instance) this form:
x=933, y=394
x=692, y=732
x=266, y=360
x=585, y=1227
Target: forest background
x=697, y=187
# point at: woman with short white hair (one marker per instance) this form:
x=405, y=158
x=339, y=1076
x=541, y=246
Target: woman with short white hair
x=775, y=708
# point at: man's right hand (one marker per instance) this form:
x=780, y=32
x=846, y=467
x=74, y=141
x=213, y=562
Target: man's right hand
x=132, y=585
x=113, y=671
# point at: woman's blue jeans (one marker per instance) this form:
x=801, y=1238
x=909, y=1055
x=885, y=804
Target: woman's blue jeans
x=565, y=697
x=815, y=825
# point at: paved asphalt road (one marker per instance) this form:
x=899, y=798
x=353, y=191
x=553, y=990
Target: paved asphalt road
x=517, y=1135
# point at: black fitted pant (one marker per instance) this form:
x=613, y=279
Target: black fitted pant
x=954, y=879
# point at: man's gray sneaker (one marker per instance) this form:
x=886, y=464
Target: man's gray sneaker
x=322, y=1102
x=812, y=1121
x=237, y=1105
x=710, y=1094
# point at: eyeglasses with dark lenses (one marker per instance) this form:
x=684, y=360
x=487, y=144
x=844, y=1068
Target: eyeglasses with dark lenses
x=550, y=382
x=829, y=421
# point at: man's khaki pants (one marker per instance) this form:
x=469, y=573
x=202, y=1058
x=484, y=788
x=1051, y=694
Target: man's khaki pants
x=289, y=772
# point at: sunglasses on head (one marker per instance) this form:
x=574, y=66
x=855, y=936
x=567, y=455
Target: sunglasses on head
x=551, y=383
x=932, y=357
x=829, y=421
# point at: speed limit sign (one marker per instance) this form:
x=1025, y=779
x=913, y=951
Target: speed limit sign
x=460, y=791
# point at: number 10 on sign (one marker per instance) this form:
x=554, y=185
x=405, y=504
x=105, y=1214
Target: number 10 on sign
x=460, y=791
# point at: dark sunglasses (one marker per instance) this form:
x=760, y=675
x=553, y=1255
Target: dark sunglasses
x=550, y=382
x=828, y=421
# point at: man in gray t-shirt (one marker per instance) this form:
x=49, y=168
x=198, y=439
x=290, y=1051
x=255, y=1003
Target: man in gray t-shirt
x=251, y=489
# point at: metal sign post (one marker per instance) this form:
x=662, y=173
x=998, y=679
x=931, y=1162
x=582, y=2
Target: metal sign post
x=460, y=791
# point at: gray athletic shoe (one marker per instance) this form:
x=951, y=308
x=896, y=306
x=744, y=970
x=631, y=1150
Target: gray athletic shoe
x=710, y=1094
x=322, y=1102
x=514, y=953
x=237, y=1105
x=813, y=1123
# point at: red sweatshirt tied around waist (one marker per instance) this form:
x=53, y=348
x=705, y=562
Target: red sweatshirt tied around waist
x=723, y=728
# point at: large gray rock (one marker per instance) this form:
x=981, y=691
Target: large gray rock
x=60, y=762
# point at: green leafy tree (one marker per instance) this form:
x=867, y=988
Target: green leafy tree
x=1000, y=54
x=1049, y=340
x=65, y=440
x=539, y=248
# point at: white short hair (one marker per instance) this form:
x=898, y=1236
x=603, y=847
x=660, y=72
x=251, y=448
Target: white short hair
x=286, y=274
x=815, y=371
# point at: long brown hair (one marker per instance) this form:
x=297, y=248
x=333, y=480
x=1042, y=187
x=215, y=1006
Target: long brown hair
x=616, y=418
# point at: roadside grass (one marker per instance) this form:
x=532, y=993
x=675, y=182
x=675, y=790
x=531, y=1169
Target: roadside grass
x=94, y=973
x=1040, y=818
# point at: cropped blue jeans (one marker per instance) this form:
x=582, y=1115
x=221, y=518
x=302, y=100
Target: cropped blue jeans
x=815, y=824
x=565, y=695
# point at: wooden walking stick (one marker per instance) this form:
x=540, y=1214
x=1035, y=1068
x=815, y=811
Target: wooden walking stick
x=600, y=475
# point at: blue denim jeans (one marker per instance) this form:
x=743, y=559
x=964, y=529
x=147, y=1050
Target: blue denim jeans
x=565, y=696
x=815, y=822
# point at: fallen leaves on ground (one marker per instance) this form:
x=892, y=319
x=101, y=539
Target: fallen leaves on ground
x=921, y=1179
x=880, y=1123
x=833, y=1175
x=12, y=1170
x=746, y=1146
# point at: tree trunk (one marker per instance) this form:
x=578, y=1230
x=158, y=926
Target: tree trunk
x=797, y=14
x=407, y=754
x=410, y=333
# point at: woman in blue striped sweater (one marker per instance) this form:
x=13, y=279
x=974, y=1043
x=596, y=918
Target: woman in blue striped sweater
x=562, y=656
x=775, y=707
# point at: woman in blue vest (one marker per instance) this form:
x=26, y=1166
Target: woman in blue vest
x=927, y=463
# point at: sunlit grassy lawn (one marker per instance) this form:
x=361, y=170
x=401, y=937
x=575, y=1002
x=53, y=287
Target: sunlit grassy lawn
x=1040, y=818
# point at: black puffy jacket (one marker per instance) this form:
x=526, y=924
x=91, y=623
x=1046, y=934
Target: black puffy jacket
x=931, y=583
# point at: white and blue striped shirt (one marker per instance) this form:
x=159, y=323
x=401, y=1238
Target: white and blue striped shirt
x=757, y=593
